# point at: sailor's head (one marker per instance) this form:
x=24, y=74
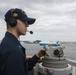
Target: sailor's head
x=17, y=18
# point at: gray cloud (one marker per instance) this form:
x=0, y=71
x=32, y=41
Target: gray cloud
x=54, y=17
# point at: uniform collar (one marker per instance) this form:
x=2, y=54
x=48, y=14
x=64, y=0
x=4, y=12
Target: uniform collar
x=15, y=40
x=12, y=37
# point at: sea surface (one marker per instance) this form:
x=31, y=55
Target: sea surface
x=69, y=51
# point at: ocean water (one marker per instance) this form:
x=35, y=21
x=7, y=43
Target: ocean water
x=69, y=51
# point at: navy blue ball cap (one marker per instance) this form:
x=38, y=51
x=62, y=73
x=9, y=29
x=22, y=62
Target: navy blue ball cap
x=18, y=14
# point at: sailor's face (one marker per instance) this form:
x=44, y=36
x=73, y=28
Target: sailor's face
x=21, y=27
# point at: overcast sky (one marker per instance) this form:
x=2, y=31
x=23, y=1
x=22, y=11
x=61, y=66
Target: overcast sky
x=55, y=19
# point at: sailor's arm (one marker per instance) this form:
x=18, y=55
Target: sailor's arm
x=28, y=57
x=33, y=60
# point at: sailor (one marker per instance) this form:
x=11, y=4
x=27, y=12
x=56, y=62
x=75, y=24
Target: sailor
x=12, y=53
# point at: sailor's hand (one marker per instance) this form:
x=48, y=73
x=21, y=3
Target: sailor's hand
x=41, y=53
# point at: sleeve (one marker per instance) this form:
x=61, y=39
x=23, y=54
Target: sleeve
x=32, y=61
x=14, y=64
